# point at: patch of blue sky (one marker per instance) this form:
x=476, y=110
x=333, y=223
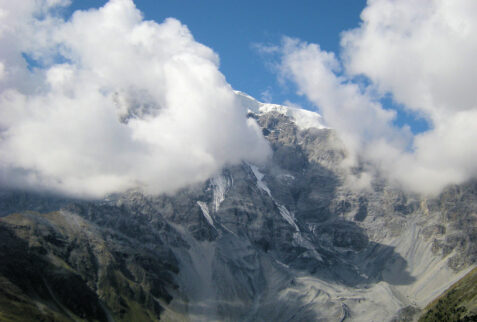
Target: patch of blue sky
x=38, y=63
x=404, y=116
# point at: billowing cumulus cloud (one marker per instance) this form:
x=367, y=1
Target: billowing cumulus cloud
x=109, y=101
x=423, y=54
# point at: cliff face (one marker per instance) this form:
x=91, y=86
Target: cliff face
x=287, y=240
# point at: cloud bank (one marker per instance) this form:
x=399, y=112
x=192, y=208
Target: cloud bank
x=106, y=101
x=423, y=54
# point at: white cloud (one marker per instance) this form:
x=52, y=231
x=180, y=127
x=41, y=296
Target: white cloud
x=2, y=71
x=357, y=117
x=423, y=53
x=136, y=103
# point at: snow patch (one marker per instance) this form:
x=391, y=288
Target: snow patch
x=303, y=242
x=220, y=186
x=259, y=176
x=205, y=211
x=287, y=176
x=288, y=216
x=304, y=119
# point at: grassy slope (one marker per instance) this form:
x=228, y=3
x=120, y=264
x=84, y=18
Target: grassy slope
x=458, y=303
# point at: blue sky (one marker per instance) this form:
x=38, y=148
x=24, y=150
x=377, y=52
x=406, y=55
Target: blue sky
x=232, y=28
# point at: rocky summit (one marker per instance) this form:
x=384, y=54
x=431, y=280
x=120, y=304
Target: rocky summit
x=292, y=239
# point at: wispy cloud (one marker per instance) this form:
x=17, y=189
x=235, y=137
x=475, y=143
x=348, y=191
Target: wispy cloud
x=266, y=95
x=132, y=103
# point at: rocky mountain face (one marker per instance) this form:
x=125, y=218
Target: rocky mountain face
x=289, y=240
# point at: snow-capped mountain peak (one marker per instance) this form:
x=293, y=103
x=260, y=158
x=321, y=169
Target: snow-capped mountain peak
x=304, y=119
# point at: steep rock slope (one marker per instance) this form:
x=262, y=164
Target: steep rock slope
x=288, y=240
x=58, y=266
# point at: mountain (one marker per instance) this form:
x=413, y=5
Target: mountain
x=292, y=239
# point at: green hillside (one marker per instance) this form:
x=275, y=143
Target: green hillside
x=458, y=303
